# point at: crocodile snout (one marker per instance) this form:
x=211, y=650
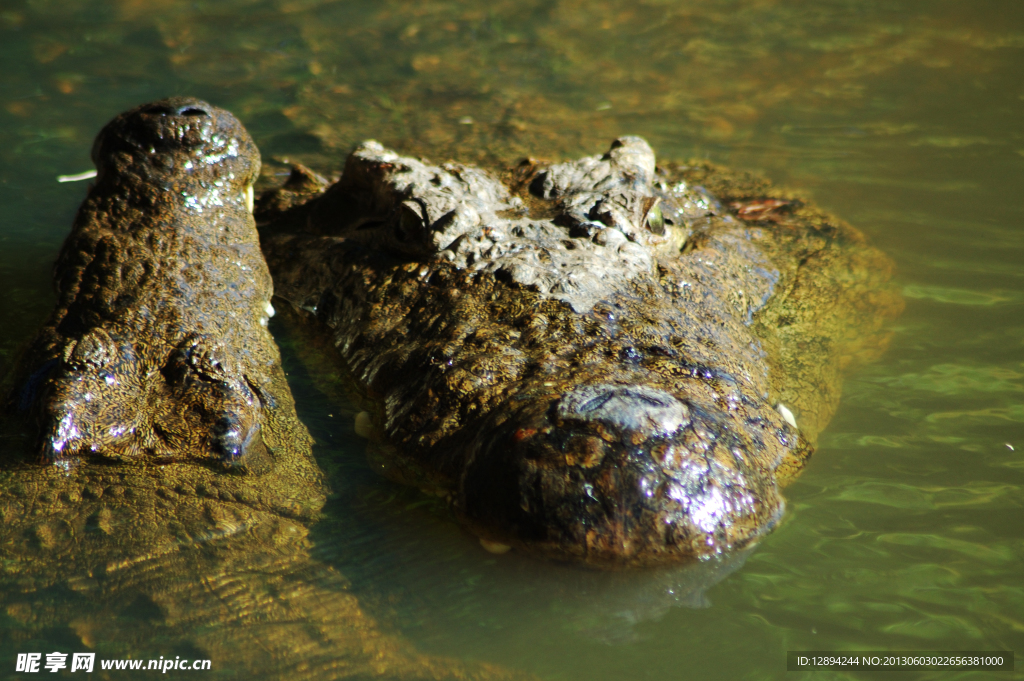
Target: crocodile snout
x=158, y=348
x=620, y=474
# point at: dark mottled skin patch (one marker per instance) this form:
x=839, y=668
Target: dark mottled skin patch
x=638, y=426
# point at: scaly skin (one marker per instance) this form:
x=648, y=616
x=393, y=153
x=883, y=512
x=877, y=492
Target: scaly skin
x=158, y=347
x=580, y=377
x=169, y=514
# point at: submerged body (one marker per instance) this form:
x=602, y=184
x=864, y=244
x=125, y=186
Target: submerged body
x=594, y=360
x=170, y=514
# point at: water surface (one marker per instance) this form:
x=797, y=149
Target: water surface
x=902, y=116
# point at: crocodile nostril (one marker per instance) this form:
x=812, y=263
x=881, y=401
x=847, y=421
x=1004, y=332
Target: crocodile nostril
x=182, y=110
x=649, y=412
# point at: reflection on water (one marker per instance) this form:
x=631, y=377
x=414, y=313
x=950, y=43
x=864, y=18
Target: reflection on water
x=901, y=116
x=442, y=577
x=516, y=594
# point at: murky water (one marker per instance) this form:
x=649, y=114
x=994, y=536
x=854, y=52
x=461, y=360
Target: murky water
x=903, y=117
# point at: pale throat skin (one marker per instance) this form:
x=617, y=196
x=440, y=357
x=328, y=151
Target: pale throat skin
x=158, y=348
x=590, y=360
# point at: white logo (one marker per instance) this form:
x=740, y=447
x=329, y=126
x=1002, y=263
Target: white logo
x=83, y=661
x=55, y=661
x=28, y=662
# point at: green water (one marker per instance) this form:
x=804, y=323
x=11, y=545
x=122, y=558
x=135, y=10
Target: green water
x=903, y=117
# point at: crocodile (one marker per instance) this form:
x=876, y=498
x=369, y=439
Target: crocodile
x=157, y=488
x=605, y=361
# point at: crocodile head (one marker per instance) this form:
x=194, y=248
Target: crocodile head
x=158, y=348
x=575, y=354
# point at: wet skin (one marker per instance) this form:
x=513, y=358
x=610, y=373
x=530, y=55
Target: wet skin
x=158, y=347
x=171, y=511
x=591, y=360
x=595, y=361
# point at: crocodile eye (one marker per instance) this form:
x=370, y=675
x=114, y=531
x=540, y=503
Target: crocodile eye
x=410, y=223
x=655, y=220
